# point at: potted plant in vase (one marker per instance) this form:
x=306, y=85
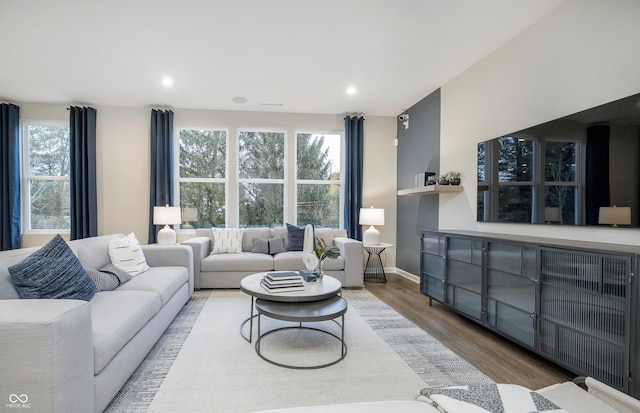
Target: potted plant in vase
x=453, y=177
x=442, y=180
x=323, y=251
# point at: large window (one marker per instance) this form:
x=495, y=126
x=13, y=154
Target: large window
x=46, y=194
x=261, y=177
x=537, y=180
x=275, y=179
x=318, y=179
x=202, y=177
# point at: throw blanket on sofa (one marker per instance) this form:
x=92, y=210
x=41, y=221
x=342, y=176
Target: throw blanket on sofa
x=492, y=398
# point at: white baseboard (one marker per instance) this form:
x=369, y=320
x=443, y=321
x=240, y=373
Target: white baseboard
x=404, y=274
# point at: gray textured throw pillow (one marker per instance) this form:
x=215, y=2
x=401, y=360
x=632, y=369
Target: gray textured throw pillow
x=117, y=272
x=52, y=272
x=260, y=246
x=276, y=245
x=109, y=277
x=104, y=281
x=295, y=237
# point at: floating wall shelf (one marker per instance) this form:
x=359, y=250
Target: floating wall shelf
x=430, y=190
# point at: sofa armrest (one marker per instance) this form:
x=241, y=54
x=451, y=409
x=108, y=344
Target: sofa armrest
x=170, y=255
x=352, y=252
x=47, y=355
x=200, y=247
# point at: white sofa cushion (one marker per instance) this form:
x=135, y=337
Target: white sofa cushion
x=248, y=234
x=290, y=260
x=162, y=280
x=246, y=261
x=116, y=317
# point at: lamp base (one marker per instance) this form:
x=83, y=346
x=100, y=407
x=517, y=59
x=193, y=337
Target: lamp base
x=166, y=236
x=371, y=236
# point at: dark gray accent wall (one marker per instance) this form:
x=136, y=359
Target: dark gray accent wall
x=418, y=151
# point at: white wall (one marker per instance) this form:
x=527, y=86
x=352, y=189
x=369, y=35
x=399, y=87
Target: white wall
x=581, y=55
x=123, y=158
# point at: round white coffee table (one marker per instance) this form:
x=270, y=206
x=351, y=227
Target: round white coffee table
x=313, y=291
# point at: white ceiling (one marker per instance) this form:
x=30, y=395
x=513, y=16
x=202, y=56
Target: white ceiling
x=302, y=54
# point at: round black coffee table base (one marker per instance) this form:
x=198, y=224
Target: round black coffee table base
x=289, y=366
x=305, y=312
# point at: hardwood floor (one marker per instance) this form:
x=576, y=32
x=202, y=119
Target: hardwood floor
x=497, y=357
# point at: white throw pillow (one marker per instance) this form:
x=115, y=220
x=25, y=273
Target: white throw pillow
x=226, y=241
x=126, y=254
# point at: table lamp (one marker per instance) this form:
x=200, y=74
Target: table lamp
x=615, y=216
x=371, y=216
x=166, y=215
x=189, y=215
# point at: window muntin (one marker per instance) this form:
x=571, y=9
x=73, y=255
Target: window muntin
x=202, y=177
x=261, y=161
x=46, y=185
x=319, y=179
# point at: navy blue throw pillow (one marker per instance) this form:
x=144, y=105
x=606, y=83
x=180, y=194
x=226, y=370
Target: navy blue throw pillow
x=52, y=272
x=295, y=237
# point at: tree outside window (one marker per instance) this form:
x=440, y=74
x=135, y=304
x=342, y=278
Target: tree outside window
x=261, y=174
x=318, y=179
x=46, y=176
x=202, y=177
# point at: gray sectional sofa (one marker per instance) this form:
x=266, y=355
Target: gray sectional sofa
x=226, y=270
x=69, y=355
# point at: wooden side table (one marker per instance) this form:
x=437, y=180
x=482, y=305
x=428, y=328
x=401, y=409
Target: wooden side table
x=374, y=270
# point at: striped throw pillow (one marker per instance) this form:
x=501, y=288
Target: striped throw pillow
x=226, y=241
x=126, y=254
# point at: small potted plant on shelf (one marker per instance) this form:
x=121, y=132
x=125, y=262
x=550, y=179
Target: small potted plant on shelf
x=442, y=180
x=453, y=177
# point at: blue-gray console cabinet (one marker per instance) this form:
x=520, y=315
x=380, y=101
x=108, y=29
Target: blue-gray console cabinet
x=575, y=303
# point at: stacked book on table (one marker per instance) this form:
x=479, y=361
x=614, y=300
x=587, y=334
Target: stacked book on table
x=282, y=282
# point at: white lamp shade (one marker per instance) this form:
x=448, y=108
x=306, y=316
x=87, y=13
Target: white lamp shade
x=371, y=216
x=166, y=215
x=615, y=215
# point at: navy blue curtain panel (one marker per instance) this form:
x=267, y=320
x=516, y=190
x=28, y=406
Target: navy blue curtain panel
x=161, y=173
x=10, y=177
x=354, y=136
x=82, y=177
x=597, y=172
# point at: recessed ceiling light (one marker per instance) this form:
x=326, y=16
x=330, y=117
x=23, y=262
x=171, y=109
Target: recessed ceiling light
x=351, y=90
x=167, y=81
x=240, y=99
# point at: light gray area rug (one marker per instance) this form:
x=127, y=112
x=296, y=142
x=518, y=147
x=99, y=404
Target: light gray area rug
x=202, y=364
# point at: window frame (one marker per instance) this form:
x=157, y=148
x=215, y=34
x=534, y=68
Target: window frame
x=26, y=176
x=178, y=179
x=338, y=182
x=284, y=180
x=538, y=183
